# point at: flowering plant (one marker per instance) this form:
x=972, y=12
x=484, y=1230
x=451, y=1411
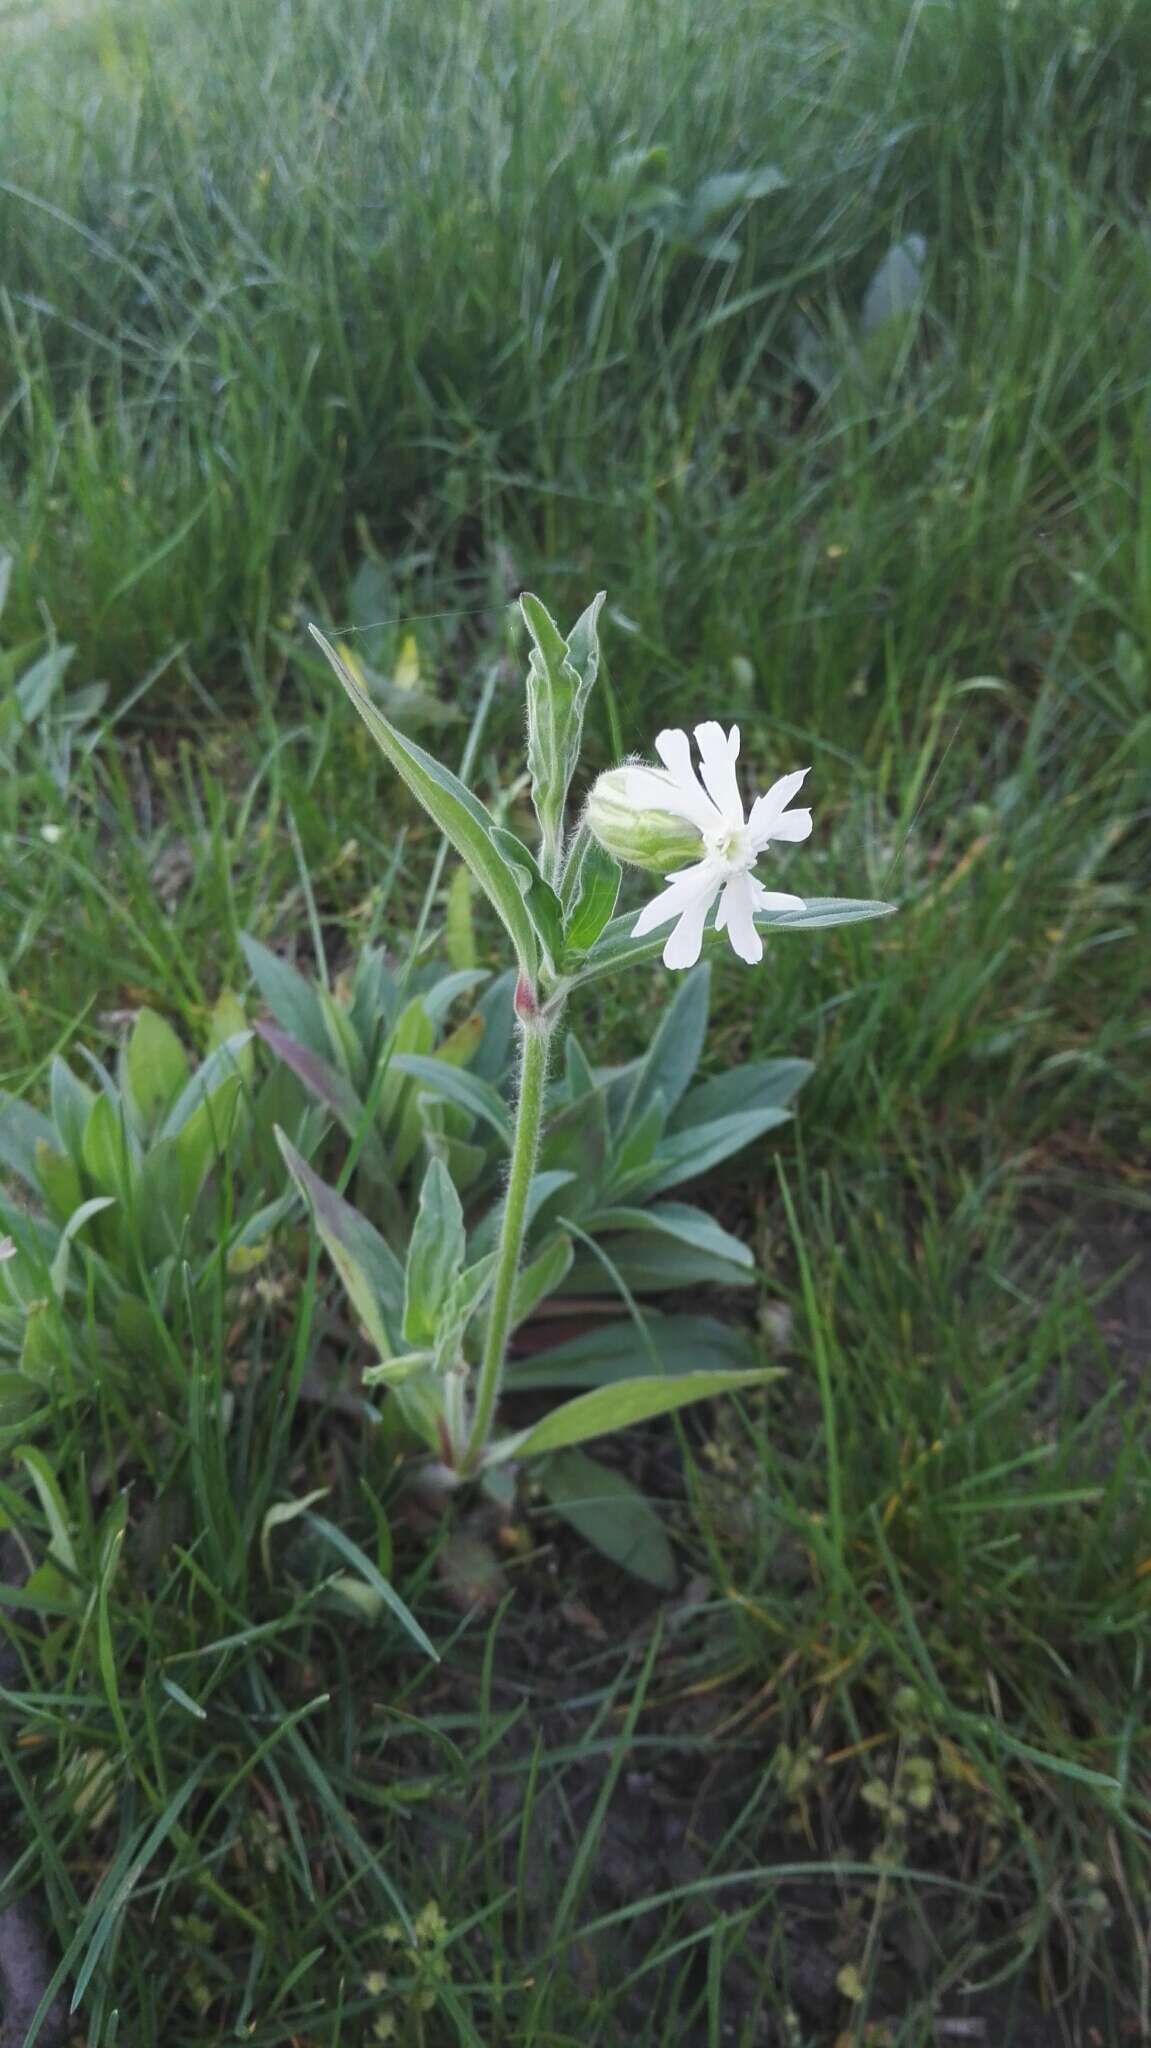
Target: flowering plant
x=709, y=820
x=441, y=1322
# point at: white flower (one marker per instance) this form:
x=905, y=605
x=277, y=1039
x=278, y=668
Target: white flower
x=731, y=843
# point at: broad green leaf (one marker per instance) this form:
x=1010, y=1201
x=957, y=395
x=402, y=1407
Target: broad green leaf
x=39, y=684
x=51, y=1501
x=495, y=1006
x=292, y=1001
x=159, y=1199
x=617, y=947
x=461, y=1045
x=75, y=1223
x=458, y=1085
x=371, y=1273
x=460, y=816
x=634, y=1155
x=820, y=912
x=435, y=1255
x=328, y=1087
x=419, y=1398
x=228, y=1019
x=459, y=924
x=106, y=1149
x=226, y=1059
x=344, y=1049
x=22, y=1128
x=464, y=1160
x=71, y=1101
x=47, y=1342
x=579, y=1074
x=446, y=989
x=761, y=1084
x=60, y=1180
x=621, y=1406
x=617, y=1351
x=583, y=646
x=560, y=676
x=685, y=1154
x=467, y=1294
x=154, y=1068
x=594, y=893
x=375, y=995
x=540, y=1277
x=543, y=905
x=578, y=1141
x=206, y=1136
x=673, y=1055
x=398, y=1114
x=680, y=1224
x=610, y=1514
x=391, y=1372
x=652, y=1265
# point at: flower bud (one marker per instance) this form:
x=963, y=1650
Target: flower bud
x=641, y=838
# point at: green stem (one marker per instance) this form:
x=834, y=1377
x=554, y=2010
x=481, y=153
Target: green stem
x=529, y=1117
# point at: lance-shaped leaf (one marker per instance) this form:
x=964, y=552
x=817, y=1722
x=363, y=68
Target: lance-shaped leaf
x=456, y=1084
x=610, y=1514
x=617, y=947
x=153, y=1068
x=760, y=1084
x=591, y=890
x=671, y=1059
x=618, y=1407
x=686, y=1154
x=667, y=1244
x=665, y=1345
x=435, y=1255
x=22, y=1129
x=560, y=676
x=292, y=1001
x=330, y=1088
x=460, y=816
x=370, y=1272
x=540, y=1277
x=543, y=905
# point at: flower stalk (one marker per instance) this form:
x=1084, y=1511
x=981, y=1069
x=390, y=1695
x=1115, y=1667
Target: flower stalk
x=536, y=1028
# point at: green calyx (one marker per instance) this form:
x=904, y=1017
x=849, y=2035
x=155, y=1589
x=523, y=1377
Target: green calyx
x=641, y=838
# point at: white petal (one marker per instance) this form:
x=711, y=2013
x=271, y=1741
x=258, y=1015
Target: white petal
x=693, y=885
x=793, y=825
x=650, y=789
x=767, y=810
x=647, y=788
x=736, y=907
x=774, y=899
x=686, y=942
x=718, y=753
x=674, y=750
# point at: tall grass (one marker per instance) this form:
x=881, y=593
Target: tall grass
x=293, y=287
x=386, y=270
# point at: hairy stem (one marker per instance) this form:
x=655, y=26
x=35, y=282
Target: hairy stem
x=529, y=1116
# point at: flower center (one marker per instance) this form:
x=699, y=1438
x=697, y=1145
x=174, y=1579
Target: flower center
x=730, y=843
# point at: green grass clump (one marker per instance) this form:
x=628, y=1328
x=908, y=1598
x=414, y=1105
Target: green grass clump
x=376, y=313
